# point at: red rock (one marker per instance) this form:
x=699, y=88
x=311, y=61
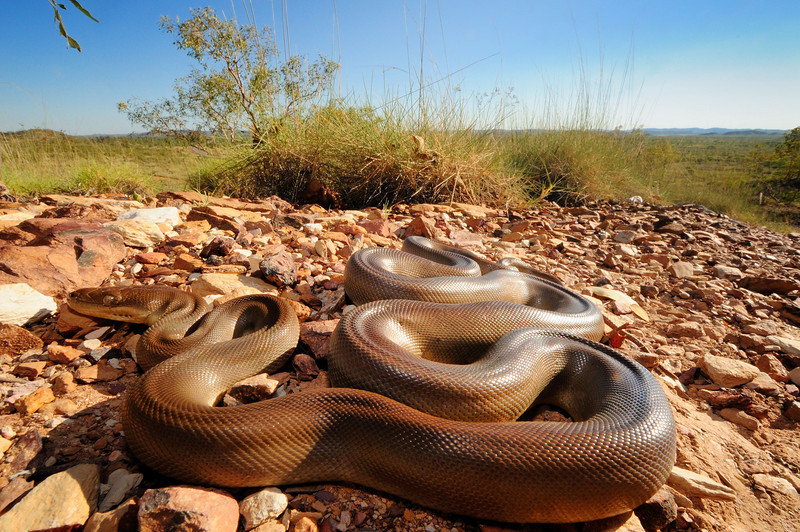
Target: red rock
x=30, y=370
x=62, y=354
x=279, y=269
x=64, y=383
x=197, y=509
x=219, y=245
x=681, y=269
x=123, y=518
x=773, y=367
x=663, y=260
x=14, y=490
x=100, y=372
x=305, y=366
x=188, y=262
x=768, y=285
x=315, y=334
x=153, y=257
x=687, y=329
x=67, y=259
x=378, y=226
x=217, y=217
x=70, y=323
x=33, y=402
x=422, y=226
x=15, y=340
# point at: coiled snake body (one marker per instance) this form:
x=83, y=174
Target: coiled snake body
x=617, y=453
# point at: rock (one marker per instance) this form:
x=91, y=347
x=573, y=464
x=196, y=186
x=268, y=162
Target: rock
x=25, y=450
x=695, y=485
x=265, y=504
x=768, y=285
x=377, y=226
x=794, y=376
x=315, y=334
x=100, y=372
x=793, y=411
x=137, y=233
x=30, y=370
x=15, y=489
x=63, y=354
x=761, y=328
x=624, y=237
x=735, y=415
x=197, y=509
x=62, y=406
x=473, y=211
x=21, y=304
x=152, y=257
x=15, y=340
x=225, y=283
x=116, y=206
x=422, y=226
x=727, y=272
x=686, y=329
x=305, y=366
x=72, y=256
x=14, y=218
x=764, y=384
x=255, y=388
x=787, y=345
x=188, y=262
x=64, y=383
x=681, y=270
x=775, y=484
x=728, y=372
x=65, y=499
x=121, y=519
x=33, y=402
x=165, y=215
x=769, y=364
x=658, y=511
x=120, y=482
x=279, y=269
x=220, y=217
x=305, y=524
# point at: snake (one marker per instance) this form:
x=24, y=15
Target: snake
x=459, y=436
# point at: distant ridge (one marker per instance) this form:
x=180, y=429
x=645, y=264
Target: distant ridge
x=710, y=131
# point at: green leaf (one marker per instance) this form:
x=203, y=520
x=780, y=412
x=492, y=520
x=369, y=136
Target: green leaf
x=83, y=10
x=73, y=43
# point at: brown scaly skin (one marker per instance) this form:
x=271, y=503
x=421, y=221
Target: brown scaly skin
x=614, y=457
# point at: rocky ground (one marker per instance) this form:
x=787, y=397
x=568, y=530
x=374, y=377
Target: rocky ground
x=711, y=306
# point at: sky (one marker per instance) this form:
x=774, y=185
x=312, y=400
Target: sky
x=655, y=64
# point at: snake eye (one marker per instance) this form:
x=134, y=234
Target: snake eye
x=109, y=300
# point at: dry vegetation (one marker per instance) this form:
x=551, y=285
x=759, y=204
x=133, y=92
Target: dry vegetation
x=382, y=158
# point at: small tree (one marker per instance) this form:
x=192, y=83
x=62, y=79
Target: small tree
x=788, y=158
x=241, y=82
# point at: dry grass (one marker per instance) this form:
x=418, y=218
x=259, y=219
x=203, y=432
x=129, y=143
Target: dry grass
x=372, y=157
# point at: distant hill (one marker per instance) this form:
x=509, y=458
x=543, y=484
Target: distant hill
x=710, y=131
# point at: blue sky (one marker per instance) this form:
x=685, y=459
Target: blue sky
x=680, y=63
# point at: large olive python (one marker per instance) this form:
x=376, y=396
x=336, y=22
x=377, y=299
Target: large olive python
x=617, y=453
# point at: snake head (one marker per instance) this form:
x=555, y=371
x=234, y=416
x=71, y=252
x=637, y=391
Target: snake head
x=109, y=303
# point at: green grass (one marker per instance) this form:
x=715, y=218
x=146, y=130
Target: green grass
x=382, y=157
x=571, y=166
x=717, y=172
x=37, y=162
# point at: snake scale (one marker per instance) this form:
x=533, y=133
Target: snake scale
x=447, y=377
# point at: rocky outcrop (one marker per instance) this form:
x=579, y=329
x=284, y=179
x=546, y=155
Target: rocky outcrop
x=711, y=306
